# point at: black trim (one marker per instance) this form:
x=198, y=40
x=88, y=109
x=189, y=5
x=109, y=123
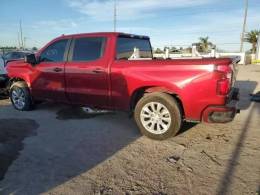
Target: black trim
x=133, y=36
x=67, y=50
x=71, y=49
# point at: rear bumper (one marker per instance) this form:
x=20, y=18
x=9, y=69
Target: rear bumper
x=223, y=114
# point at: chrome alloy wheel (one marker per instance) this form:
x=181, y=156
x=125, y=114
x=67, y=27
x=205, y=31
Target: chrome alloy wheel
x=18, y=98
x=155, y=117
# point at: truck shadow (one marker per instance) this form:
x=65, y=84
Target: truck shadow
x=68, y=147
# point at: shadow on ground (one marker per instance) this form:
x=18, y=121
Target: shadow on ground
x=68, y=147
x=12, y=133
x=65, y=148
x=186, y=127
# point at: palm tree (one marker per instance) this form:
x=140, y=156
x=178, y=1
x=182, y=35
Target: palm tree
x=204, y=44
x=251, y=37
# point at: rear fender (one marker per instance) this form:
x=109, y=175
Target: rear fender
x=168, y=91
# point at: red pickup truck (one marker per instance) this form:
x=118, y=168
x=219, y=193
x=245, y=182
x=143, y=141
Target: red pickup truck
x=117, y=71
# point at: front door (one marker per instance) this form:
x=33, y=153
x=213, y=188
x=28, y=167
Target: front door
x=48, y=77
x=87, y=72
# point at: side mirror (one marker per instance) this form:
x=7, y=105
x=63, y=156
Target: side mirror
x=31, y=59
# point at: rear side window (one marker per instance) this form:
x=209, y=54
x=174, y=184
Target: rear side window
x=55, y=52
x=126, y=47
x=88, y=49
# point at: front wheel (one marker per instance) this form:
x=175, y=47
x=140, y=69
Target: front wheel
x=158, y=116
x=20, y=96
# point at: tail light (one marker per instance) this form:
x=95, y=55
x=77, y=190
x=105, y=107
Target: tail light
x=225, y=83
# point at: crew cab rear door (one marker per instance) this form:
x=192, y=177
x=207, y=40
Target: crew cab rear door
x=86, y=73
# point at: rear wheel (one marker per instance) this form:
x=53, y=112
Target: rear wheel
x=20, y=96
x=158, y=116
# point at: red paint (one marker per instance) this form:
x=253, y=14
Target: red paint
x=198, y=83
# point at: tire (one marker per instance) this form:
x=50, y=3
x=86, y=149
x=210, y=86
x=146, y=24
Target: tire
x=162, y=122
x=20, y=96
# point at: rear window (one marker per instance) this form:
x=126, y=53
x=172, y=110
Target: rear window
x=127, y=46
x=14, y=55
x=87, y=49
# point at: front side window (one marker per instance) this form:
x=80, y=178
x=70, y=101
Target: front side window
x=126, y=47
x=55, y=52
x=88, y=49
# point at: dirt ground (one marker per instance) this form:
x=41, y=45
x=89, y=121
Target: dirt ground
x=56, y=149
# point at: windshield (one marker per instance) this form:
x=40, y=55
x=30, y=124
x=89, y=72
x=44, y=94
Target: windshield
x=133, y=48
x=14, y=55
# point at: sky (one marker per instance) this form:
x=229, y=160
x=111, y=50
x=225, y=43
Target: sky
x=176, y=23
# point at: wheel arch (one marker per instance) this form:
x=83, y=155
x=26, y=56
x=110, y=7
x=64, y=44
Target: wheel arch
x=17, y=79
x=140, y=92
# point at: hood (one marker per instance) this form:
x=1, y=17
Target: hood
x=16, y=66
x=16, y=62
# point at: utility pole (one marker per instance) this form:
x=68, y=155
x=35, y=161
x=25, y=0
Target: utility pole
x=258, y=48
x=244, y=27
x=21, y=34
x=115, y=14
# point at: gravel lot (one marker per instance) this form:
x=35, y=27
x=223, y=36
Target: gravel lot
x=57, y=149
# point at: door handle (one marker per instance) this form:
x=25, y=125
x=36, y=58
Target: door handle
x=57, y=69
x=98, y=71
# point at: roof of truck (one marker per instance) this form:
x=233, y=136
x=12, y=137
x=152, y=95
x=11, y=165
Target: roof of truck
x=106, y=34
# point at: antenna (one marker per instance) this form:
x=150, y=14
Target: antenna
x=115, y=14
x=21, y=35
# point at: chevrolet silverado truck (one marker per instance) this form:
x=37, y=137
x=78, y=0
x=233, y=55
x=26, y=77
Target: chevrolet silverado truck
x=117, y=71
